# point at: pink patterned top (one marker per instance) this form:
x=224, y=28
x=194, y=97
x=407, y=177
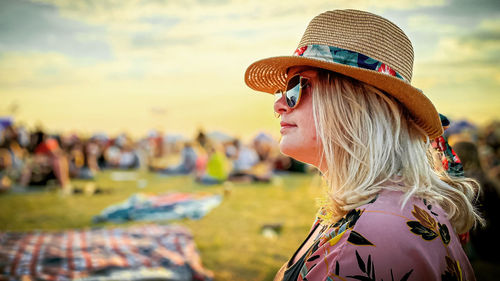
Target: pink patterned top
x=381, y=241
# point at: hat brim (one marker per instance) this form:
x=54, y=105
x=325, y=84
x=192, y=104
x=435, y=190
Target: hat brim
x=268, y=75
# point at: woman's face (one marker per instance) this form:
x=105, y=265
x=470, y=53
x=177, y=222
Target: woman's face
x=298, y=131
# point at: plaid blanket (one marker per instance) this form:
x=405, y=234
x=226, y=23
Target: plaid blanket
x=168, y=206
x=149, y=252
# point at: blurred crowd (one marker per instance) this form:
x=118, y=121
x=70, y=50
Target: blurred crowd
x=35, y=158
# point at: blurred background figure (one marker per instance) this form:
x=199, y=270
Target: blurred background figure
x=82, y=159
x=187, y=164
x=490, y=150
x=244, y=159
x=122, y=154
x=13, y=153
x=217, y=166
x=461, y=130
x=47, y=161
x=482, y=238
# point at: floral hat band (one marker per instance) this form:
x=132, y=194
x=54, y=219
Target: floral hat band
x=346, y=57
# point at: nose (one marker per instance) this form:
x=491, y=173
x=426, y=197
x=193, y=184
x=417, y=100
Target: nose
x=280, y=105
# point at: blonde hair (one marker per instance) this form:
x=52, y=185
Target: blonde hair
x=370, y=143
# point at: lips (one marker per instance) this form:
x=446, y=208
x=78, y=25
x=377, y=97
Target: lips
x=285, y=124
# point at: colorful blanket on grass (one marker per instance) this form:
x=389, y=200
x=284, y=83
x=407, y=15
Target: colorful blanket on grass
x=150, y=252
x=169, y=206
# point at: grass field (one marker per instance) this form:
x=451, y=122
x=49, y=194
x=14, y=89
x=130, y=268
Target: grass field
x=228, y=238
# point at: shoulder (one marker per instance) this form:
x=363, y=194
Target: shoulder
x=383, y=240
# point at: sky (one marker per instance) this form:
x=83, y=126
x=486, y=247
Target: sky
x=131, y=66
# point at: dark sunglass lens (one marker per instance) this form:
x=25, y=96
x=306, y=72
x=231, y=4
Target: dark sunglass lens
x=292, y=96
x=294, y=81
x=293, y=93
x=303, y=82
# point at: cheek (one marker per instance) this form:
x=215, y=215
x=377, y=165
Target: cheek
x=309, y=127
x=302, y=145
x=308, y=132
x=312, y=139
x=314, y=135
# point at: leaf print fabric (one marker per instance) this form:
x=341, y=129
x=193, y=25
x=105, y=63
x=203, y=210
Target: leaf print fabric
x=425, y=225
x=300, y=51
x=453, y=272
x=350, y=219
x=320, y=52
x=381, y=241
x=345, y=57
x=445, y=234
x=419, y=229
x=358, y=239
x=367, y=62
x=386, y=70
x=424, y=218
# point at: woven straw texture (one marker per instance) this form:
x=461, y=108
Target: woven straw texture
x=364, y=33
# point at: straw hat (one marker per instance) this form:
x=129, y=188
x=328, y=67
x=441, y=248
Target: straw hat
x=360, y=45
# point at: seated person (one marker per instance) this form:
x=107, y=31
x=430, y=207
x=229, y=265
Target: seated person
x=12, y=159
x=217, y=166
x=78, y=162
x=5, y=167
x=245, y=158
x=187, y=164
x=48, y=162
x=125, y=157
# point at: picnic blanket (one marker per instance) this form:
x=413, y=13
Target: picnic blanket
x=169, y=206
x=149, y=252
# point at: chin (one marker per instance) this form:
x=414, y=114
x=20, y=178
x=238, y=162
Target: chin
x=298, y=152
x=288, y=151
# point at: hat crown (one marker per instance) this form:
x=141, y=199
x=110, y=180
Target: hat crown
x=364, y=33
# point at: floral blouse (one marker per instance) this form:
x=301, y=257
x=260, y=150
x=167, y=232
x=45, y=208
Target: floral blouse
x=381, y=241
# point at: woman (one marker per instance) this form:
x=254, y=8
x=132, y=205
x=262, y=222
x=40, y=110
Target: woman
x=348, y=108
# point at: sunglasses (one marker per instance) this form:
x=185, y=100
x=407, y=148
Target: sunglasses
x=294, y=89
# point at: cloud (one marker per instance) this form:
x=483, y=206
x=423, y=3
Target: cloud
x=152, y=30
x=480, y=45
x=29, y=26
x=123, y=56
x=463, y=13
x=132, y=9
x=23, y=69
x=425, y=23
x=471, y=9
x=488, y=32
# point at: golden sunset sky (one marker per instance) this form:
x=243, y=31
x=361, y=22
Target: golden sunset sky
x=130, y=66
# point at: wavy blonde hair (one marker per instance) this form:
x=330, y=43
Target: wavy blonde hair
x=370, y=143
